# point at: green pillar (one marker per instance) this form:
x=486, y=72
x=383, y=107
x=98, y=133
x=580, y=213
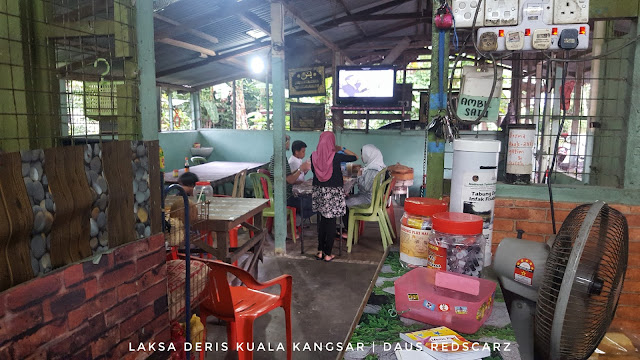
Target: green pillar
x=632, y=156
x=277, y=77
x=147, y=69
x=435, y=147
x=44, y=95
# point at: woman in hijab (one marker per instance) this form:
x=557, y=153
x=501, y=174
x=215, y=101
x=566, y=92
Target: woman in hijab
x=328, y=195
x=373, y=163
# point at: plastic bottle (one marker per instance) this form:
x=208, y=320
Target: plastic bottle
x=186, y=164
x=202, y=191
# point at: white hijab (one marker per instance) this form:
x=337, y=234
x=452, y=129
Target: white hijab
x=372, y=158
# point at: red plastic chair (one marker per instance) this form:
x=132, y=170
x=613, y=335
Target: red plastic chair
x=239, y=306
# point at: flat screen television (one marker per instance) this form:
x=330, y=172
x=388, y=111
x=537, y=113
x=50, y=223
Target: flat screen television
x=366, y=85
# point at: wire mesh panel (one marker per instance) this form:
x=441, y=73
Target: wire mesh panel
x=69, y=72
x=578, y=102
x=175, y=237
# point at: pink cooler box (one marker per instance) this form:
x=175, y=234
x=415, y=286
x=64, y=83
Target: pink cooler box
x=459, y=302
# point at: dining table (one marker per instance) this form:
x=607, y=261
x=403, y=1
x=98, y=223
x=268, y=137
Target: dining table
x=216, y=172
x=223, y=214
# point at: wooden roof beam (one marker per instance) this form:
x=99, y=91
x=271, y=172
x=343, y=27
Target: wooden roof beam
x=396, y=51
x=312, y=30
x=185, y=45
x=227, y=55
x=255, y=21
x=191, y=31
x=230, y=9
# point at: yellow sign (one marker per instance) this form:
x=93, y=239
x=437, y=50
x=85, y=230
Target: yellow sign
x=307, y=82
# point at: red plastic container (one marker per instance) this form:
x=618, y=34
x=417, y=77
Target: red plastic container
x=459, y=302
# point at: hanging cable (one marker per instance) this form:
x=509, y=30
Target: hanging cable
x=563, y=106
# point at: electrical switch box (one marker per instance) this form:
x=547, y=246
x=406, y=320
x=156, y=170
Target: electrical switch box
x=570, y=11
x=545, y=37
x=465, y=10
x=501, y=12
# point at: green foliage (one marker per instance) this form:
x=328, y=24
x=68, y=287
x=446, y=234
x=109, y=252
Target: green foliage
x=216, y=109
x=381, y=327
x=371, y=357
x=180, y=115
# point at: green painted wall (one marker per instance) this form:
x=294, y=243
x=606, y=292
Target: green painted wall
x=176, y=146
x=406, y=148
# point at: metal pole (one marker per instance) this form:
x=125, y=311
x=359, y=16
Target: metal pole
x=277, y=76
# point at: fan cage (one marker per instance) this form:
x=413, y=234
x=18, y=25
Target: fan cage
x=590, y=309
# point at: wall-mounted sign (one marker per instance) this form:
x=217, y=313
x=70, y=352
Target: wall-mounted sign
x=307, y=82
x=474, y=94
x=307, y=116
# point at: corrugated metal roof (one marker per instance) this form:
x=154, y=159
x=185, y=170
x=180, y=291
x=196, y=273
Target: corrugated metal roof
x=173, y=63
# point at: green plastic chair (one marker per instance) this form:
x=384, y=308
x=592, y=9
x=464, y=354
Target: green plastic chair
x=391, y=222
x=375, y=211
x=197, y=160
x=258, y=190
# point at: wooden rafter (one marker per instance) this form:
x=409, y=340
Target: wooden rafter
x=312, y=30
x=396, y=51
x=188, y=46
x=255, y=21
x=239, y=52
x=191, y=31
x=230, y=9
x=348, y=12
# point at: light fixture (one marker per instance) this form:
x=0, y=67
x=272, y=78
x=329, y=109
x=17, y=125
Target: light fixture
x=256, y=34
x=256, y=65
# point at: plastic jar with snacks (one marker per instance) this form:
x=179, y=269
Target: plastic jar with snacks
x=456, y=243
x=415, y=228
x=202, y=191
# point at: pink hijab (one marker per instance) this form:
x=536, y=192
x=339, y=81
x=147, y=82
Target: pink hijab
x=322, y=158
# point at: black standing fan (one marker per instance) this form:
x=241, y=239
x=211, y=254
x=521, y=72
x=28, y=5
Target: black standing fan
x=564, y=311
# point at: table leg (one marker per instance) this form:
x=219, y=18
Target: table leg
x=222, y=245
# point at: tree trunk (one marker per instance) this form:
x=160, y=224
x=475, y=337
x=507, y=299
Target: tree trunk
x=241, y=111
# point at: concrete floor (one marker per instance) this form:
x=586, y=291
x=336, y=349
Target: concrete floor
x=326, y=296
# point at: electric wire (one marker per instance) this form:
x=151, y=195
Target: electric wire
x=595, y=57
x=453, y=112
x=555, y=149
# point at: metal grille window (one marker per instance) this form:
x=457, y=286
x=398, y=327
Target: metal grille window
x=596, y=100
x=177, y=111
x=69, y=70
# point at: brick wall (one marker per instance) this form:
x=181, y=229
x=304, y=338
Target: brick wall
x=90, y=311
x=534, y=217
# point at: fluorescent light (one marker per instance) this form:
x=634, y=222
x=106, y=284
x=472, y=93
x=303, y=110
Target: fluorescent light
x=256, y=34
x=256, y=65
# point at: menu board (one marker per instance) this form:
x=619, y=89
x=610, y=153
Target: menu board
x=520, y=153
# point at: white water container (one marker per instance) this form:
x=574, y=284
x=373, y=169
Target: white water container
x=473, y=182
